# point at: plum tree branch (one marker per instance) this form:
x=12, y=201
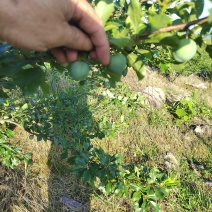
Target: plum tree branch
x=26, y=130
x=12, y=122
x=178, y=27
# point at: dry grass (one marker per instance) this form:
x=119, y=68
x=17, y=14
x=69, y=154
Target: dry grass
x=41, y=186
x=47, y=180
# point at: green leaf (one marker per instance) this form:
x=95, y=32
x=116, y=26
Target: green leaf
x=126, y=192
x=25, y=106
x=166, y=38
x=151, y=195
x=180, y=112
x=81, y=161
x=144, y=205
x=108, y=188
x=146, y=53
x=163, y=67
x=104, y=9
x=39, y=137
x=153, y=174
x=182, y=10
x=11, y=69
x=86, y=177
x=64, y=155
x=57, y=66
x=10, y=133
x=45, y=87
x=159, y=21
x=121, y=41
x=137, y=64
x=136, y=196
x=29, y=80
x=134, y=186
x=155, y=206
x=119, y=159
x=210, y=16
x=176, y=67
x=7, y=84
x=134, y=15
x=112, y=25
x=209, y=50
x=160, y=193
x=199, y=6
x=120, y=189
x=170, y=182
x=113, y=77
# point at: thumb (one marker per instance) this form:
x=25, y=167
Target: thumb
x=74, y=38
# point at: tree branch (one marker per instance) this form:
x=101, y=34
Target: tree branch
x=178, y=27
x=18, y=125
x=12, y=122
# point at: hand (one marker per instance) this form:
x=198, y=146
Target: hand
x=41, y=25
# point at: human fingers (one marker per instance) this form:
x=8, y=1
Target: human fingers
x=59, y=54
x=74, y=38
x=93, y=55
x=64, y=55
x=71, y=55
x=91, y=24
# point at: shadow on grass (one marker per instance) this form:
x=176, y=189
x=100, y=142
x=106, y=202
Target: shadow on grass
x=64, y=118
x=72, y=124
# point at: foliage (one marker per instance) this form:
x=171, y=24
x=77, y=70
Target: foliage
x=200, y=65
x=10, y=156
x=143, y=186
x=134, y=29
x=186, y=108
x=137, y=30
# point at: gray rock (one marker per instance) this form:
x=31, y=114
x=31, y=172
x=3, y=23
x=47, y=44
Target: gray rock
x=70, y=203
x=203, y=130
x=199, y=130
x=201, y=85
x=170, y=161
x=171, y=158
x=175, y=98
x=154, y=96
x=169, y=165
x=208, y=182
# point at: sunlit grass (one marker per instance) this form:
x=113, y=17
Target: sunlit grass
x=143, y=134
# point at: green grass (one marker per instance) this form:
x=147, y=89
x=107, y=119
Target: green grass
x=141, y=133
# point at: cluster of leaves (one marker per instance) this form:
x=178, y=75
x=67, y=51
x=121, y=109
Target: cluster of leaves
x=10, y=156
x=200, y=64
x=186, y=108
x=144, y=187
x=135, y=29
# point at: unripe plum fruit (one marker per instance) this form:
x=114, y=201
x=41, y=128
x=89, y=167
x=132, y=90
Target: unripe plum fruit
x=79, y=70
x=117, y=63
x=185, y=51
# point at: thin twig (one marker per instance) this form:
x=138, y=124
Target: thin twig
x=28, y=131
x=12, y=122
x=177, y=27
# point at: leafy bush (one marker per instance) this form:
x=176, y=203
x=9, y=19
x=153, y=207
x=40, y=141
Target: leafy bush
x=10, y=156
x=139, y=31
